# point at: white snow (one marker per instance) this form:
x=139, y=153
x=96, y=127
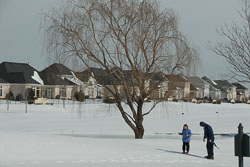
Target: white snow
x=94, y=134
x=37, y=78
x=214, y=82
x=74, y=79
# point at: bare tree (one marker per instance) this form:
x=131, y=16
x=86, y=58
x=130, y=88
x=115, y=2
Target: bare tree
x=236, y=48
x=131, y=40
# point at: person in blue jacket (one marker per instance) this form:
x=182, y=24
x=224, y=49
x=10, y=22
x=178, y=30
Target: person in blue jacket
x=209, y=135
x=186, y=136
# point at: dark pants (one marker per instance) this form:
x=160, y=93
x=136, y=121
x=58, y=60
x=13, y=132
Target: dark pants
x=210, y=149
x=185, y=146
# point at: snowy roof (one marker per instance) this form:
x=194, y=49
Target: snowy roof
x=75, y=80
x=222, y=82
x=214, y=85
x=37, y=78
x=21, y=73
x=50, y=78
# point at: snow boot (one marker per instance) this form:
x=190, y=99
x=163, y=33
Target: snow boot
x=211, y=157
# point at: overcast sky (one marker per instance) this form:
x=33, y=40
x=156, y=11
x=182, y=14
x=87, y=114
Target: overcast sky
x=21, y=40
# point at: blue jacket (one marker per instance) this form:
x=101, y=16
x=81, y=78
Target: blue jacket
x=208, y=131
x=186, y=135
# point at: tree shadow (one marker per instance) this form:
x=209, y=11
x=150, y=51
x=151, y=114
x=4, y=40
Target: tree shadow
x=177, y=152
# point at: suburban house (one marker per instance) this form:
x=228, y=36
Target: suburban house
x=178, y=87
x=18, y=78
x=97, y=82
x=242, y=92
x=229, y=88
x=159, y=82
x=4, y=88
x=59, y=82
x=93, y=88
x=201, y=86
x=194, y=92
x=215, y=90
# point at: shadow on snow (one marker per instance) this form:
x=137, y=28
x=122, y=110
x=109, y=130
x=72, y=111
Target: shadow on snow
x=176, y=152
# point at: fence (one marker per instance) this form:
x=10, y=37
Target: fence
x=55, y=102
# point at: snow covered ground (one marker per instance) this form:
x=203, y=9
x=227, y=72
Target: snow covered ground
x=94, y=134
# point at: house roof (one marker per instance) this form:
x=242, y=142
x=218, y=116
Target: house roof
x=197, y=81
x=157, y=76
x=223, y=83
x=51, y=78
x=103, y=77
x=2, y=80
x=213, y=84
x=239, y=86
x=192, y=87
x=98, y=72
x=176, y=78
x=21, y=73
x=58, y=69
x=82, y=76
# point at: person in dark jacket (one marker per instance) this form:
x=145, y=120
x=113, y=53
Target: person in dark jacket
x=209, y=135
x=186, y=135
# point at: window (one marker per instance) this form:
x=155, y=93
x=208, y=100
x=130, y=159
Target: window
x=49, y=92
x=1, y=91
x=38, y=92
x=91, y=92
x=162, y=94
x=62, y=92
x=99, y=92
x=34, y=88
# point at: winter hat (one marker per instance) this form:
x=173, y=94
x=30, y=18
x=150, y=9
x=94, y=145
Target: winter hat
x=203, y=124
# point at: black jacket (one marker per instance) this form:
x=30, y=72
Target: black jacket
x=208, y=131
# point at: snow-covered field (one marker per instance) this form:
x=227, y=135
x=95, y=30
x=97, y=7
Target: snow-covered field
x=94, y=134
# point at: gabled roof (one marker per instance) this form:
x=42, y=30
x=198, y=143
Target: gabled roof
x=239, y=86
x=158, y=76
x=176, y=78
x=102, y=76
x=223, y=83
x=82, y=76
x=58, y=69
x=20, y=73
x=197, y=81
x=213, y=84
x=98, y=72
x=50, y=78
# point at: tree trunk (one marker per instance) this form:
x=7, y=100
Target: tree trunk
x=139, y=132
